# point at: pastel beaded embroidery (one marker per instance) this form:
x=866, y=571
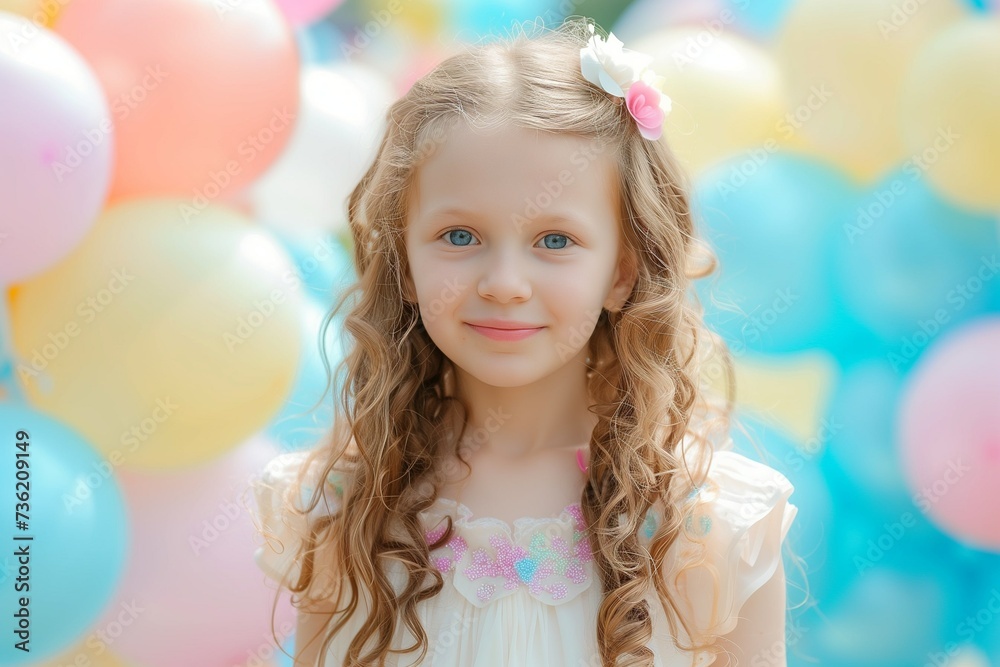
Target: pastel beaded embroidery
x=549, y=560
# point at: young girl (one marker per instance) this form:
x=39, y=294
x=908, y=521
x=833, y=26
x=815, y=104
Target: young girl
x=522, y=470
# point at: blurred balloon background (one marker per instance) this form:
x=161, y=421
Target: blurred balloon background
x=172, y=190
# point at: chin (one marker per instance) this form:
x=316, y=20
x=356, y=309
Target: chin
x=503, y=373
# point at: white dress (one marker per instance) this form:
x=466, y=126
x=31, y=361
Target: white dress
x=526, y=595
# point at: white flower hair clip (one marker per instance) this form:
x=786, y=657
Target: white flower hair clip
x=626, y=73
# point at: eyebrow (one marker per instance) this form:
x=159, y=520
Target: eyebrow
x=543, y=217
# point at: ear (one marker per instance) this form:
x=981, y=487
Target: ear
x=624, y=281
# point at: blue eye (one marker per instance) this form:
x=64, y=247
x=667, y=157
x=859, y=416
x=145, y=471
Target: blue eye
x=562, y=236
x=465, y=234
x=458, y=231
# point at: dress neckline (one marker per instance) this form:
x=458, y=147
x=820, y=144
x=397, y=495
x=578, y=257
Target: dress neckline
x=464, y=515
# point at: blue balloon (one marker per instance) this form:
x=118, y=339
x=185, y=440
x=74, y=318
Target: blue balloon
x=910, y=265
x=900, y=602
x=323, y=265
x=303, y=419
x=75, y=517
x=483, y=19
x=808, y=538
x=320, y=42
x=771, y=219
x=860, y=429
x=760, y=18
x=288, y=646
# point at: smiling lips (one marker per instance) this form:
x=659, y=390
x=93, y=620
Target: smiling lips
x=503, y=331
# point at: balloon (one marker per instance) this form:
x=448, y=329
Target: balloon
x=301, y=12
x=807, y=538
x=760, y=18
x=909, y=265
x=194, y=117
x=76, y=522
x=475, y=21
x=643, y=17
x=318, y=42
x=92, y=651
x=342, y=113
x=41, y=12
x=896, y=609
x=792, y=391
x=55, y=166
x=844, y=61
x=323, y=265
x=707, y=77
x=860, y=434
x=951, y=103
x=304, y=419
x=191, y=567
x=950, y=432
x=166, y=343
x=771, y=220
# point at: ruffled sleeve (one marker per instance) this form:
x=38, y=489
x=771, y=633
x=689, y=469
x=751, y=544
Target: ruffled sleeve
x=742, y=516
x=284, y=531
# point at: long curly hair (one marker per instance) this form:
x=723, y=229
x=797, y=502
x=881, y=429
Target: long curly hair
x=653, y=363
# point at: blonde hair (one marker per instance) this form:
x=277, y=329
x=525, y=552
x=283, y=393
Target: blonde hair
x=649, y=359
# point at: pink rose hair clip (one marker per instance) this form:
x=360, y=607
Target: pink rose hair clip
x=626, y=73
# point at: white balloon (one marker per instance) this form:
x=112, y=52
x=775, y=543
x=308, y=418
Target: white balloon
x=341, y=119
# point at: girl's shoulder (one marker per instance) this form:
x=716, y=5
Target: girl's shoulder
x=283, y=517
x=734, y=526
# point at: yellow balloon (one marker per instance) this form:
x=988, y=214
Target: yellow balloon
x=727, y=93
x=41, y=12
x=844, y=61
x=951, y=113
x=91, y=652
x=791, y=391
x=165, y=340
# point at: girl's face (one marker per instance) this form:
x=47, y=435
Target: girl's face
x=519, y=226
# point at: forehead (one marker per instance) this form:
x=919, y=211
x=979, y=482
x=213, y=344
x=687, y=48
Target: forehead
x=510, y=170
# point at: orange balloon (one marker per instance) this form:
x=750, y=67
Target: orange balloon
x=203, y=95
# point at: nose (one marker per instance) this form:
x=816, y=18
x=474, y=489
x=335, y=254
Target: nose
x=506, y=276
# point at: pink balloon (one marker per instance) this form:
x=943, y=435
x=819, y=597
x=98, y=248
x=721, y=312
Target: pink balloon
x=949, y=423
x=302, y=12
x=55, y=164
x=192, y=593
x=204, y=94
